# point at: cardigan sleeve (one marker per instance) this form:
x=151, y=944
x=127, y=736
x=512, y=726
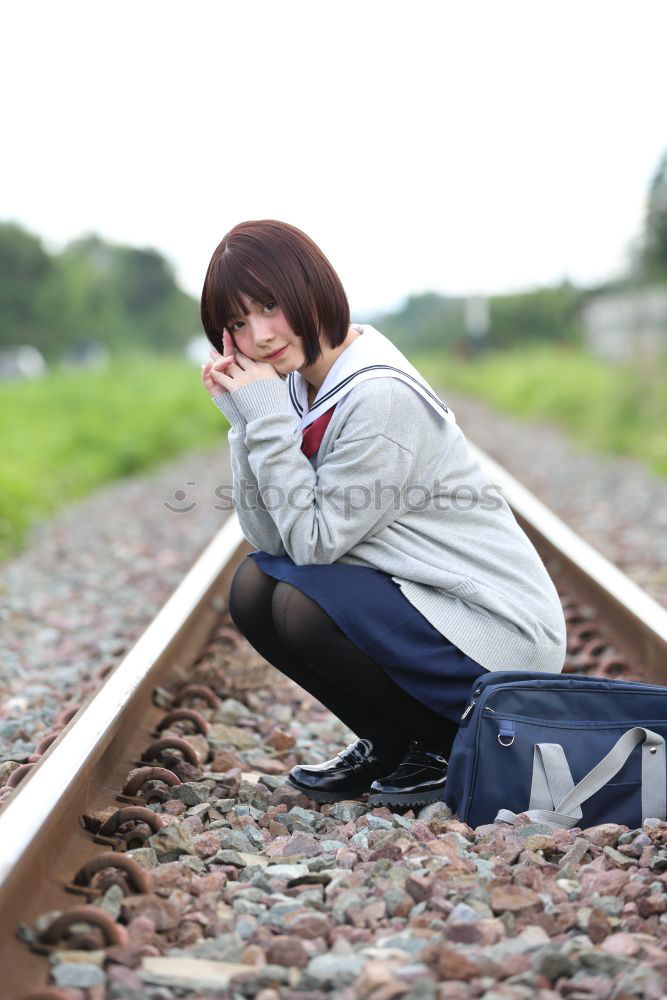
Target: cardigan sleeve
x=256, y=523
x=356, y=491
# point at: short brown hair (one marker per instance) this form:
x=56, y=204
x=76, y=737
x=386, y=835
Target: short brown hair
x=269, y=260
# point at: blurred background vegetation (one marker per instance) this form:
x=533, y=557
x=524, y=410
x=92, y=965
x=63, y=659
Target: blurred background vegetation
x=108, y=383
x=123, y=297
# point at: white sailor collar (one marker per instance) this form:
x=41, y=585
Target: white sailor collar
x=370, y=356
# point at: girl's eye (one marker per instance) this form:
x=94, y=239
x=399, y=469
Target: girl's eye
x=231, y=326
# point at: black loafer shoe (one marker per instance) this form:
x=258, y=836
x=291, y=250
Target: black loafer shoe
x=419, y=778
x=347, y=775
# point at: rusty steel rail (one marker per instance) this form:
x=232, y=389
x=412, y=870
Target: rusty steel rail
x=42, y=840
x=637, y=623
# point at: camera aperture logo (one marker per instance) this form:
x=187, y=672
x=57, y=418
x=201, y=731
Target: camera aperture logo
x=179, y=497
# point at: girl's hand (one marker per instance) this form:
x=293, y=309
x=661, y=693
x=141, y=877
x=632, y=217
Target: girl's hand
x=220, y=363
x=234, y=369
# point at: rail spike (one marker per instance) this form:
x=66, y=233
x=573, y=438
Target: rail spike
x=201, y=691
x=52, y=938
x=184, y=715
x=138, y=878
x=172, y=743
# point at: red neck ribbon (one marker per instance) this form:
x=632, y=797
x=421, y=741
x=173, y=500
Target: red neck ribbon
x=313, y=434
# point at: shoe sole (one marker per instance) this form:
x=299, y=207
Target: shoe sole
x=406, y=798
x=321, y=796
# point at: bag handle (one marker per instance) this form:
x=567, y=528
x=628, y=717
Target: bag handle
x=556, y=800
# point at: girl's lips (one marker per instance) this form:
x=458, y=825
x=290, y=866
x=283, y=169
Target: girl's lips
x=276, y=354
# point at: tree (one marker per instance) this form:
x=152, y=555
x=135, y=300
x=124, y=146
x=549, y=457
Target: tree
x=124, y=297
x=145, y=279
x=24, y=265
x=654, y=255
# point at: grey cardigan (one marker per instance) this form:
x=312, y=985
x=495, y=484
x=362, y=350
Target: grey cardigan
x=394, y=486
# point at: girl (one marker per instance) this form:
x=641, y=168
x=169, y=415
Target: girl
x=389, y=573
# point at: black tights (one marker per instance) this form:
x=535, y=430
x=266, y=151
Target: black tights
x=296, y=636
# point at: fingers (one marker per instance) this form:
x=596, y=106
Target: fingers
x=220, y=362
x=218, y=365
x=219, y=371
x=209, y=384
x=229, y=347
x=213, y=373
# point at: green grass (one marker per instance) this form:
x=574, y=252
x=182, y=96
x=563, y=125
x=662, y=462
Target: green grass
x=621, y=410
x=68, y=433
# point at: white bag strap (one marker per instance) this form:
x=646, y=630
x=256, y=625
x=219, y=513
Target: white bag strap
x=556, y=800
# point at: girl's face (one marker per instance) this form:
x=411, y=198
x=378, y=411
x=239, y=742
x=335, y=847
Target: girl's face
x=264, y=331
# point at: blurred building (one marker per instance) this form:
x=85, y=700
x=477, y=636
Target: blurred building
x=86, y=354
x=23, y=361
x=477, y=323
x=627, y=325
x=198, y=349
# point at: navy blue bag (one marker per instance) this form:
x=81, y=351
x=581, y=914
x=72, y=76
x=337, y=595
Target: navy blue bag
x=567, y=750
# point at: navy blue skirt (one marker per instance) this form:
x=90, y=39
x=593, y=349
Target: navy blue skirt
x=372, y=611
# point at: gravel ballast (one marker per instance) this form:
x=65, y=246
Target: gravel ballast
x=259, y=891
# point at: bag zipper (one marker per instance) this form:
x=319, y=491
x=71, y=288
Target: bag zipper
x=497, y=689
x=478, y=690
x=470, y=707
x=579, y=723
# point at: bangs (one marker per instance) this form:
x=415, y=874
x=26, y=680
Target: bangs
x=230, y=280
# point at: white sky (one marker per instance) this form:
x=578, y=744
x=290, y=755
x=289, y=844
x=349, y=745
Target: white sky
x=424, y=145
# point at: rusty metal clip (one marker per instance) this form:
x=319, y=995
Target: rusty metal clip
x=141, y=777
x=52, y=938
x=201, y=691
x=172, y=743
x=138, y=879
x=184, y=715
x=144, y=822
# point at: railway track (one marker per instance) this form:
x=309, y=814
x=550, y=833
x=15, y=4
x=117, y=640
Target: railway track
x=60, y=819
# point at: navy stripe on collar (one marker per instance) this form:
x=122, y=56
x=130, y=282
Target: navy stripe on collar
x=345, y=381
x=292, y=392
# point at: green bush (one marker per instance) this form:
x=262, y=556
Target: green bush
x=617, y=409
x=71, y=431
